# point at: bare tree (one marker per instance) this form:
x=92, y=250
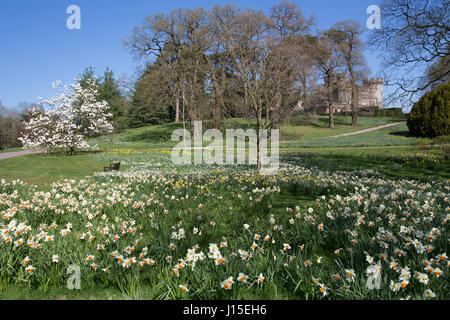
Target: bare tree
x=329, y=61
x=346, y=35
x=281, y=72
x=288, y=29
x=249, y=52
x=287, y=19
x=221, y=21
x=305, y=52
x=414, y=36
x=3, y=126
x=179, y=39
x=265, y=69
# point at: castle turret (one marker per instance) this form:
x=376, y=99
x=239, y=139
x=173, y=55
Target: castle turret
x=371, y=93
x=376, y=89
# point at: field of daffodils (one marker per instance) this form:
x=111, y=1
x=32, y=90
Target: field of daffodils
x=219, y=233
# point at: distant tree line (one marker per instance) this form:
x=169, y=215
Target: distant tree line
x=11, y=124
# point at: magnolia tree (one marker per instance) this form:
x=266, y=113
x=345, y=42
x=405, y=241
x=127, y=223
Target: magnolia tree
x=71, y=118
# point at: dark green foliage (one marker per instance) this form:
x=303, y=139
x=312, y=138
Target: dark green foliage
x=390, y=112
x=88, y=73
x=429, y=116
x=150, y=101
x=10, y=127
x=110, y=92
x=120, y=123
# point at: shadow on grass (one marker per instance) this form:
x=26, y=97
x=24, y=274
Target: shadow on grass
x=292, y=198
x=401, y=134
x=340, y=120
x=393, y=167
x=159, y=133
x=163, y=133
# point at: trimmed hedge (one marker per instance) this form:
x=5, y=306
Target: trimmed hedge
x=429, y=116
x=390, y=112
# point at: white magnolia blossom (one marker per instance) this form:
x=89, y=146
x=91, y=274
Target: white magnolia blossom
x=71, y=118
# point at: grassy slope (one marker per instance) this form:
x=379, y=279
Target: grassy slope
x=317, y=127
x=44, y=168
x=299, y=132
x=391, y=136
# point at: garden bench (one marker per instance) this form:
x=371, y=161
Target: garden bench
x=112, y=167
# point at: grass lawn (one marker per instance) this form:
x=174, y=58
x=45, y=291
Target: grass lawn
x=10, y=150
x=396, y=162
x=390, y=136
x=43, y=169
x=317, y=126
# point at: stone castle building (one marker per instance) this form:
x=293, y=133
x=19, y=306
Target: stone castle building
x=370, y=95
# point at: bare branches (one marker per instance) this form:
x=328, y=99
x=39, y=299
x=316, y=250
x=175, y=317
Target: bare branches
x=286, y=19
x=414, y=35
x=239, y=60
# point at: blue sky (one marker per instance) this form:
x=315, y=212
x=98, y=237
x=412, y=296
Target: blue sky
x=37, y=48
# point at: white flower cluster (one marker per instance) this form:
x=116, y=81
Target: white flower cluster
x=71, y=118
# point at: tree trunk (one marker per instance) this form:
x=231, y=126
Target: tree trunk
x=331, y=112
x=258, y=142
x=177, y=106
x=354, y=105
x=260, y=162
x=216, y=116
x=217, y=107
x=185, y=104
x=219, y=104
x=330, y=103
x=259, y=153
x=275, y=115
x=354, y=118
x=276, y=122
x=354, y=100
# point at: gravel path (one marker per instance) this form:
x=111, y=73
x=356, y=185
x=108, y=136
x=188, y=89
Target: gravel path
x=5, y=155
x=368, y=130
